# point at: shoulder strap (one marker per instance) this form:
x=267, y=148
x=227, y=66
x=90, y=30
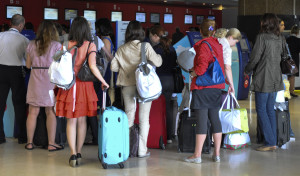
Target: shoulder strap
x=212, y=52
x=96, y=41
x=143, y=51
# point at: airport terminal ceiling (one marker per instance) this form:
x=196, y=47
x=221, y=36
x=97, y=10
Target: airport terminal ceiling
x=200, y=3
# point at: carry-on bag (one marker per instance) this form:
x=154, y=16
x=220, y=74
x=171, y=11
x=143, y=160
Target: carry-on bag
x=41, y=135
x=187, y=134
x=233, y=120
x=236, y=141
x=283, y=127
x=157, y=137
x=187, y=128
x=113, y=136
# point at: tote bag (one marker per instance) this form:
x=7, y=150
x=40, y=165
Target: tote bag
x=233, y=120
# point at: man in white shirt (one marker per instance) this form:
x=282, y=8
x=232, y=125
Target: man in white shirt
x=12, y=53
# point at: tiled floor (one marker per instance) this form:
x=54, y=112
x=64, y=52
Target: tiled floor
x=15, y=160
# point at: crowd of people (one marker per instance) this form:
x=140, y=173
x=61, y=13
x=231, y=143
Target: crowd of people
x=80, y=103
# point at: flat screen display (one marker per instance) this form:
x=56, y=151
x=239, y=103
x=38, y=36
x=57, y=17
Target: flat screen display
x=199, y=19
x=50, y=14
x=188, y=19
x=116, y=16
x=154, y=17
x=211, y=17
x=12, y=10
x=89, y=14
x=70, y=14
x=168, y=18
x=140, y=16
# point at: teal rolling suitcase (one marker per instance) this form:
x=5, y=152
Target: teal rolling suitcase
x=113, y=137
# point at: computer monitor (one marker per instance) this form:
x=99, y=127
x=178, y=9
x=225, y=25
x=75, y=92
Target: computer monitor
x=70, y=14
x=154, y=17
x=12, y=10
x=90, y=14
x=140, y=16
x=50, y=14
x=211, y=17
x=168, y=18
x=188, y=19
x=199, y=19
x=116, y=16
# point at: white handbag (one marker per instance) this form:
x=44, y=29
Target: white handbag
x=61, y=70
x=147, y=82
x=233, y=120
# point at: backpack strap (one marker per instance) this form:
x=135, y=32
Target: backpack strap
x=96, y=41
x=143, y=52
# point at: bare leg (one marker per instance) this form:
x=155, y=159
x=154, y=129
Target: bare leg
x=31, y=123
x=51, y=127
x=217, y=143
x=71, y=134
x=81, y=132
x=200, y=138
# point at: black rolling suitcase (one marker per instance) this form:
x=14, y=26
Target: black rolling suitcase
x=283, y=125
x=187, y=134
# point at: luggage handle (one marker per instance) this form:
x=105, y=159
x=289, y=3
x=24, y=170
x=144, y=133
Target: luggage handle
x=104, y=100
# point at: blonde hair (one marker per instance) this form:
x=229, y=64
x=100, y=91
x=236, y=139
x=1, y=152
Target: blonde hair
x=221, y=33
x=235, y=33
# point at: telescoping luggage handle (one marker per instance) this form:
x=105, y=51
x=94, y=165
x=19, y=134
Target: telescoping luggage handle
x=104, y=100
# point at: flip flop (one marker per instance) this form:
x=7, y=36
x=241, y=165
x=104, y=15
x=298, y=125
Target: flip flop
x=56, y=148
x=27, y=148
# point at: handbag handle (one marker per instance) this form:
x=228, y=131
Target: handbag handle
x=232, y=97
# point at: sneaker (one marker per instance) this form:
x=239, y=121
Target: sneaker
x=193, y=160
x=143, y=156
x=216, y=159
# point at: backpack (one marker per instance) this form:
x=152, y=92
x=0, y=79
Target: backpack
x=61, y=71
x=147, y=82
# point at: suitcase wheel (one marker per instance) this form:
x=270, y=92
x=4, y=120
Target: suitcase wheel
x=121, y=165
x=104, y=166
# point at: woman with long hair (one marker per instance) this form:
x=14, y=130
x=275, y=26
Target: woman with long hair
x=40, y=90
x=162, y=46
x=81, y=100
x=126, y=60
x=206, y=99
x=267, y=77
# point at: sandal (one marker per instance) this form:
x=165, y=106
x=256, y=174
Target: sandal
x=27, y=148
x=56, y=148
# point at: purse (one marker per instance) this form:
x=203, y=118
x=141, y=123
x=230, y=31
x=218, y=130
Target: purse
x=287, y=64
x=85, y=73
x=213, y=75
x=233, y=120
x=178, y=80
